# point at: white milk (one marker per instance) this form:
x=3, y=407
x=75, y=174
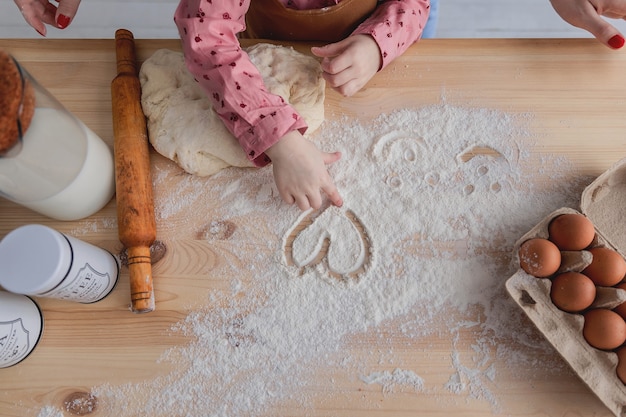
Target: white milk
x=63, y=169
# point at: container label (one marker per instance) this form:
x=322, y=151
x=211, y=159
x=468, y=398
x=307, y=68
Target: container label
x=87, y=286
x=14, y=342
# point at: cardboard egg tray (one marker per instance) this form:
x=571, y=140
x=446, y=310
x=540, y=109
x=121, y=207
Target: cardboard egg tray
x=603, y=203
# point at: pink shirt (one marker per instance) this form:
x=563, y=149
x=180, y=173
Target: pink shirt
x=258, y=119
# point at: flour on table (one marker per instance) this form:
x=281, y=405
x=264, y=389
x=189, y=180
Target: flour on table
x=434, y=267
x=182, y=125
x=398, y=377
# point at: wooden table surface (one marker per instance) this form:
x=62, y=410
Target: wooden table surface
x=576, y=90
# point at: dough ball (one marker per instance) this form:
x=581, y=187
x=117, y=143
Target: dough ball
x=295, y=77
x=182, y=125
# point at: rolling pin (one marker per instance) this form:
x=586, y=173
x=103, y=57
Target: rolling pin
x=133, y=186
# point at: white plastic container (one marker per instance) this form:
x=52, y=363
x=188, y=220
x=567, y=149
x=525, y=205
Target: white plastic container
x=40, y=261
x=21, y=326
x=58, y=167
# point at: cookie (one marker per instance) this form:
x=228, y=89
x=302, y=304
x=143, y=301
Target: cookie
x=17, y=102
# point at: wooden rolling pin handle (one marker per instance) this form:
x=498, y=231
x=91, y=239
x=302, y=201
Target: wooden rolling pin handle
x=125, y=52
x=141, y=291
x=135, y=206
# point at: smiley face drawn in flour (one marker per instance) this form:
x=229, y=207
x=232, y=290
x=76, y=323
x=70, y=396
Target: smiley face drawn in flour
x=406, y=157
x=400, y=146
x=483, y=168
x=335, y=240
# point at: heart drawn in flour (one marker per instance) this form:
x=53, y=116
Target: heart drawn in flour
x=335, y=239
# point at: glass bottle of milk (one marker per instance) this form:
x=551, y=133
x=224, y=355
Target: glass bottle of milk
x=58, y=167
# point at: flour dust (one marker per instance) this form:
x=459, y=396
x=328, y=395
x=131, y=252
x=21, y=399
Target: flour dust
x=434, y=200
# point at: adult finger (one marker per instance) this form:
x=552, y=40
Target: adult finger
x=48, y=12
x=66, y=11
x=601, y=29
x=33, y=13
x=36, y=23
x=606, y=33
x=616, y=41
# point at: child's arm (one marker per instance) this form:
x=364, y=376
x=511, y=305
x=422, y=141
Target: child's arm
x=265, y=125
x=394, y=26
x=257, y=118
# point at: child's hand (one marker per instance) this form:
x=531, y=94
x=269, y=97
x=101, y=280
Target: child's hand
x=587, y=14
x=300, y=172
x=39, y=13
x=349, y=64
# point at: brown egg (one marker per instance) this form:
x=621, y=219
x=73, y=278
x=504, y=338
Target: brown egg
x=604, y=329
x=571, y=231
x=621, y=364
x=572, y=292
x=539, y=257
x=621, y=309
x=607, y=267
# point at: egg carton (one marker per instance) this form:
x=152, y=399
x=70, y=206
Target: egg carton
x=603, y=203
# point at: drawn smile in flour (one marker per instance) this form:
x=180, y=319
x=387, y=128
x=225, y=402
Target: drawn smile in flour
x=335, y=240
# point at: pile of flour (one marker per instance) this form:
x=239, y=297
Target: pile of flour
x=435, y=199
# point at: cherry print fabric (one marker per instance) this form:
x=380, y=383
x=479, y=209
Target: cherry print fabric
x=208, y=30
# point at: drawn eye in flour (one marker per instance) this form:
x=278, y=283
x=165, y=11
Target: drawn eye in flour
x=394, y=180
x=335, y=242
x=484, y=168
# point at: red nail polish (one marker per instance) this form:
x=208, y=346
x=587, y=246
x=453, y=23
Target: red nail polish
x=616, y=42
x=63, y=21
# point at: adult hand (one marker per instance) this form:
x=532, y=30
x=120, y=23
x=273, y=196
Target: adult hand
x=300, y=172
x=349, y=64
x=587, y=14
x=39, y=13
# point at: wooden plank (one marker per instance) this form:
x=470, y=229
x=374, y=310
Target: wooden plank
x=575, y=90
